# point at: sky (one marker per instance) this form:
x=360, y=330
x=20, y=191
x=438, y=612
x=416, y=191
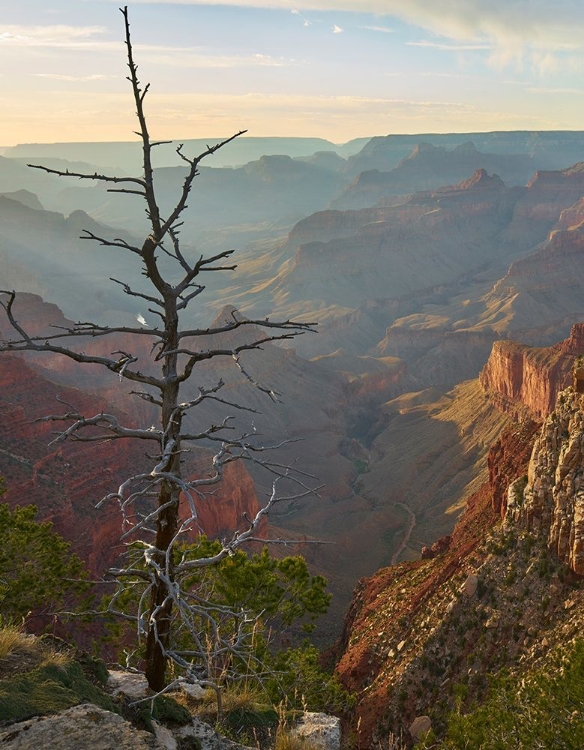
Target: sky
x=336, y=69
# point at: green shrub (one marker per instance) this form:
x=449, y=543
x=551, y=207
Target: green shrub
x=542, y=710
x=38, y=573
x=301, y=682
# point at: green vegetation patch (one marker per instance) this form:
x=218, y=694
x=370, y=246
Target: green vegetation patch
x=49, y=689
x=544, y=709
x=163, y=709
x=245, y=720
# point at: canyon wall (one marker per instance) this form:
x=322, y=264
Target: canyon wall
x=522, y=379
x=65, y=480
x=550, y=502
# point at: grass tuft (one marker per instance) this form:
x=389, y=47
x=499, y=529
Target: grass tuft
x=285, y=740
x=14, y=641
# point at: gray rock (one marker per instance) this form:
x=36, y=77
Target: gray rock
x=420, y=726
x=132, y=684
x=84, y=727
x=192, y=690
x=469, y=587
x=165, y=737
x=321, y=729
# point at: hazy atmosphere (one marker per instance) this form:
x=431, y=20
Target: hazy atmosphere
x=292, y=375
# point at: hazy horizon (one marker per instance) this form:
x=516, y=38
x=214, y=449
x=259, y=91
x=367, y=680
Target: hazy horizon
x=334, y=69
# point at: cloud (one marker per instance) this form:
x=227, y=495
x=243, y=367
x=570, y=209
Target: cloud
x=79, y=38
x=305, y=22
x=337, y=29
x=48, y=36
x=509, y=24
x=59, y=77
x=382, y=29
x=449, y=47
x=559, y=90
x=187, y=57
x=456, y=76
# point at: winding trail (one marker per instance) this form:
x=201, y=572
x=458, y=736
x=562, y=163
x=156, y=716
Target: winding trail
x=407, y=535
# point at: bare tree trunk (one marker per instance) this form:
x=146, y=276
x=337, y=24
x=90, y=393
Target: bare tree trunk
x=164, y=603
x=160, y=616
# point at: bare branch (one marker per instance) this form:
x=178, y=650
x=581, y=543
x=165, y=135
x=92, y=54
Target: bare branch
x=82, y=176
x=30, y=344
x=128, y=290
x=87, y=235
x=187, y=184
x=157, y=506
x=274, y=395
x=109, y=421
x=238, y=323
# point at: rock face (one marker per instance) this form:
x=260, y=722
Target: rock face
x=519, y=378
x=402, y=635
x=552, y=501
x=66, y=480
x=552, y=150
x=84, y=727
x=427, y=168
x=321, y=730
x=61, y=479
x=429, y=240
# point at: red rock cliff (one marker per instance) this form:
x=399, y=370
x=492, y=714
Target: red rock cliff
x=66, y=480
x=519, y=378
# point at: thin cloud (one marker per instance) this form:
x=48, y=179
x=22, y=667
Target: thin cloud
x=381, y=29
x=456, y=76
x=551, y=90
x=512, y=25
x=449, y=47
x=305, y=22
x=181, y=57
x=47, y=36
x=337, y=29
x=83, y=38
x=59, y=77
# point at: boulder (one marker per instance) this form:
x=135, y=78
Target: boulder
x=322, y=730
x=84, y=727
x=191, y=689
x=132, y=684
x=469, y=587
x=420, y=726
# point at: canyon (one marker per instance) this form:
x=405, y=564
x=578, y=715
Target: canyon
x=460, y=256
x=509, y=573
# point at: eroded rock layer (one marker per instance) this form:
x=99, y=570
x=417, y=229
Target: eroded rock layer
x=552, y=501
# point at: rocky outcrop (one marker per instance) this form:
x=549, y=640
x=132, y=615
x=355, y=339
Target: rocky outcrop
x=88, y=727
x=416, y=630
x=571, y=217
x=539, y=208
x=551, y=501
x=524, y=380
x=324, y=226
x=84, y=727
x=321, y=730
x=439, y=358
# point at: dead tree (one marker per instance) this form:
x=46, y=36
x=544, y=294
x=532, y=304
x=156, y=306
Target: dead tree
x=151, y=503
